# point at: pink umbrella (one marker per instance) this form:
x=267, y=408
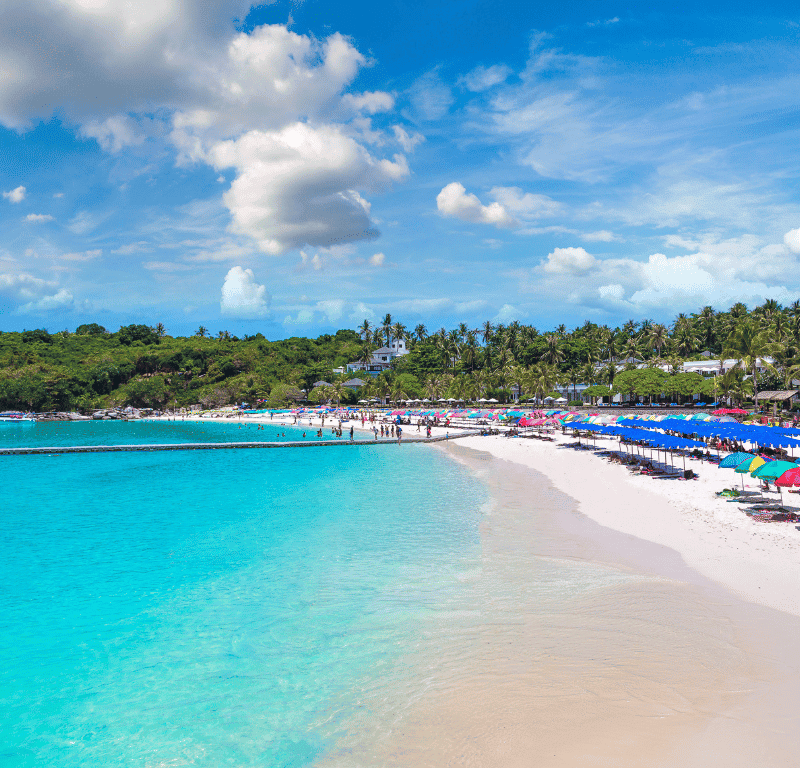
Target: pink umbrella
x=791, y=477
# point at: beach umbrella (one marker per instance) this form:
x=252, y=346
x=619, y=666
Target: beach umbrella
x=749, y=465
x=735, y=459
x=772, y=470
x=789, y=478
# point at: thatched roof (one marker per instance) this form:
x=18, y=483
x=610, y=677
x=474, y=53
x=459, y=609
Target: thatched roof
x=780, y=394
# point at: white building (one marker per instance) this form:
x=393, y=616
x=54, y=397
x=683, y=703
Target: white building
x=381, y=359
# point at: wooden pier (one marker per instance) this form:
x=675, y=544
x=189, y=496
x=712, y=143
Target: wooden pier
x=224, y=446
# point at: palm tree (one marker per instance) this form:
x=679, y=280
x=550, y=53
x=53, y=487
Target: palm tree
x=202, y=331
x=420, y=332
x=365, y=355
x=483, y=381
x=160, y=330
x=553, y=354
x=748, y=344
x=365, y=330
x=387, y=329
x=398, y=331
x=487, y=331
x=686, y=341
x=733, y=384
x=659, y=336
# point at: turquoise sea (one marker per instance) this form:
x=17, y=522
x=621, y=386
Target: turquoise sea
x=216, y=608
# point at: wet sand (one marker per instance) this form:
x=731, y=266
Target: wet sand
x=578, y=645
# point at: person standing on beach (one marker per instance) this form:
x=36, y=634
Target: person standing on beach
x=399, y=434
x=351, y=434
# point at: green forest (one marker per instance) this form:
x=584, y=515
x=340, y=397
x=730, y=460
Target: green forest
x=144, y=366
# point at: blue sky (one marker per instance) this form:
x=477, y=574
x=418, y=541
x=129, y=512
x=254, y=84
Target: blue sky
x=293, y=168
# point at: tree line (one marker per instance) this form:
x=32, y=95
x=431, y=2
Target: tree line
x=143, y=365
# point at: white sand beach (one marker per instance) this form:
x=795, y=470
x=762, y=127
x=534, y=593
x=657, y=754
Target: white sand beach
x=758, y=561
x=693, y=661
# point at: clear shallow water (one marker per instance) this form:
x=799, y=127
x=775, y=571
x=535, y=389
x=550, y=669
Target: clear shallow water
x=239, y=607
x=209, y=609
x=58, y=433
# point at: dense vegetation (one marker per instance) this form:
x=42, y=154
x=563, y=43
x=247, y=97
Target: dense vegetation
x=143, y=366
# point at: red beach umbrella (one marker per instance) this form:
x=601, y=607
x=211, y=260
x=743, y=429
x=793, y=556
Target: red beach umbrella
x=789, y=478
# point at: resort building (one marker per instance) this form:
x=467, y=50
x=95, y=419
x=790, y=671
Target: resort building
x=381, y=359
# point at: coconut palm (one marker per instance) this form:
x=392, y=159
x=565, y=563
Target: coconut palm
x=386, y=325
x=487, y=331
x=552, y=354
x=365, y=330
x=747, y=345
x=420, y=332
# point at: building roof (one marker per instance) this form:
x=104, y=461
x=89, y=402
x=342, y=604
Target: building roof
x=354, y=383
x=778, y=394
x=322, y=383
x=383, y=351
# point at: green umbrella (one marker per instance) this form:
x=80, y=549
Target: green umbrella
x=772, y=470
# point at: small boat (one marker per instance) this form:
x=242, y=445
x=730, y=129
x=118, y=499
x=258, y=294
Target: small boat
x=16, y=417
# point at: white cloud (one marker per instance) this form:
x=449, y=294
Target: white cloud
x=165, y=266
x=333, y=309
x=271, y=104
x=83, y=222
x=408, y=141
x=483, y=78
x=25, y=283
x=377, y=259
x=454, y=201
x=298, y=186
x=127, y=250
x=114, y=133
x=15, y=195
x=63, y=299
x=613, y=291
x=362, y=311
x=83, y=255
x=525, y=204
x=508, y=313
x=303, y=317
x=39, y=218
x=370, y=102
x=242, y=297
x=430, y=97
x=792, y=240
x=573, y=261
x=601, y=236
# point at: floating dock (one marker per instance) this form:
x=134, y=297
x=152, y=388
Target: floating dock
x=224, y=446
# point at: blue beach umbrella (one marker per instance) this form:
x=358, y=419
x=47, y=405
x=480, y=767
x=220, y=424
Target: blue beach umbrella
x=735, y=459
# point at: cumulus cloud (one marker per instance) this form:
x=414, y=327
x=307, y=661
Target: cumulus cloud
x=508, y=313
x=333, y=309
x=719, y=272
x=63, y=299
x=483, y=78
x=39, y=218
x=271, y=104
x=242, y=296
x=573, y=261
x=15, y=195
x=792, y=240
x=525, y=204
x=377, y=259
x=455, y=201
x=114, y=133
x=297, y=186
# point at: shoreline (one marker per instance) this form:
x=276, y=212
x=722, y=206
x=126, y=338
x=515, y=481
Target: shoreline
x=755, y=560
x=642, y=661
x=758, y=561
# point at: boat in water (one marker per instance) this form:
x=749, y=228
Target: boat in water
x=16, y=417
